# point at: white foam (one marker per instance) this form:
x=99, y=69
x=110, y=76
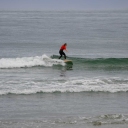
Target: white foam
x=29, y=62
x=61, y=85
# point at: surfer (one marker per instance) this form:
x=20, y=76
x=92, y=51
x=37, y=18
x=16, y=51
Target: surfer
x=63, y=47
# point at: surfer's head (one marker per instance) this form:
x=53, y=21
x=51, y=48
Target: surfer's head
x=65, y=44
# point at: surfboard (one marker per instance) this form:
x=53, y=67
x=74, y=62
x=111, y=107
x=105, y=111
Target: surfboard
x=68, y=62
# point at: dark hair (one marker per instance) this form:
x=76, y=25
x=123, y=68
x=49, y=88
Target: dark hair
x=65, y=44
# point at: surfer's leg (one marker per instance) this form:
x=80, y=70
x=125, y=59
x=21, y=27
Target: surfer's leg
x=64, y=55
x=60, y=54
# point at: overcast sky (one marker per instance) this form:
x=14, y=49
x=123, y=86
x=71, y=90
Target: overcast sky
x=63, y=4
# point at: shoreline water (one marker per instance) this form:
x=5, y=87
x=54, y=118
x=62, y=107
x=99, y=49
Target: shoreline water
x=65, y=110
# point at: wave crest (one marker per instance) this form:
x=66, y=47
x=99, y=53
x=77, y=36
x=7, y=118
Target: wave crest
x=43, y=60
x=74, y=85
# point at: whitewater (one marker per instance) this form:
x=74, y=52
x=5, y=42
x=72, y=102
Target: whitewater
x=61, y=85
x=29, y=62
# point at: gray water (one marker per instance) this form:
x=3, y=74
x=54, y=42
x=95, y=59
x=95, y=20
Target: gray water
x=37, y=90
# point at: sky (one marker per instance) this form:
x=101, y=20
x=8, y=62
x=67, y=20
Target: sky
x=63, y=4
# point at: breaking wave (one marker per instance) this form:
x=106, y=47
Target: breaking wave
x=43, y=60
x=72, y=85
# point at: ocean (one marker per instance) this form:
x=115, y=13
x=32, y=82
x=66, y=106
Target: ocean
x=39, y=90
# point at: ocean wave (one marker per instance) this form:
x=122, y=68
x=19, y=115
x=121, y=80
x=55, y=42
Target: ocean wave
x=72, y=85
x=46, y=61
x=43, y=60
x=99, y=63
